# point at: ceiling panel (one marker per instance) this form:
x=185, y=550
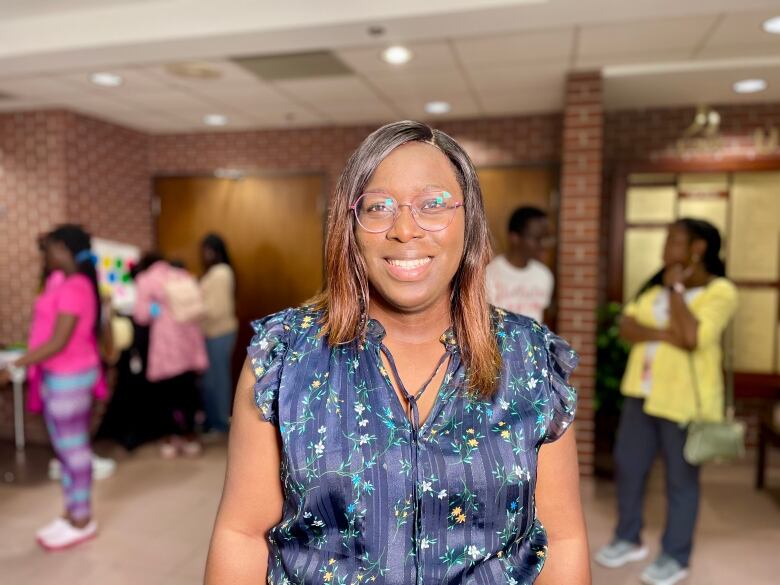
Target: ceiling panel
x=231, y=74
x=524, y=101
x=463, y=106
x=657, y=56
x=250, y=97
x=145, y=121
x=168, y=100
x=530, y=46
x=740, y=29
x=421, y=85
x=39, y=87
x=346, y=88
x=517, y=76
x=426, y=56
x=739, y=51
x=134, y=80
x=16, y=105
x=694, y=87
x=642, y=37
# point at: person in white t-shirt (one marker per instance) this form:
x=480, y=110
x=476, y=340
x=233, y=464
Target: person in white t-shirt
x=518, y=281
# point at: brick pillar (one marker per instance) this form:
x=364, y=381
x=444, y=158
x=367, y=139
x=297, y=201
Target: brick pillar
x=580, y=225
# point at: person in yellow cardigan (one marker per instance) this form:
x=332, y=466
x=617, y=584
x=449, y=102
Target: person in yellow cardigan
x=675, y=324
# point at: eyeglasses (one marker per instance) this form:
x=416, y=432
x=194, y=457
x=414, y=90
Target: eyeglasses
x=432, y=211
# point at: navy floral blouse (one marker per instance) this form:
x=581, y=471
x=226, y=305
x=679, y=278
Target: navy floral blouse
x=370, y=499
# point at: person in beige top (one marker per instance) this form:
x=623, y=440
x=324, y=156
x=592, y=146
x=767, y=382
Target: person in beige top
x=219, y=326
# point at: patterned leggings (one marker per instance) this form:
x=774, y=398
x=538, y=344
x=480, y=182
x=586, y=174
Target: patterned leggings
x=67, y=400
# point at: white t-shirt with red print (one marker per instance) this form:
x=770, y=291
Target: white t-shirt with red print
x=527, y=291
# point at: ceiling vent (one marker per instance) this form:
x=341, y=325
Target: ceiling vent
x=294, y=66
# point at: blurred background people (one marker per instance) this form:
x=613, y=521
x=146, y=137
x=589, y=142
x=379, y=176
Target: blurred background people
x=169, y=302
x=136, y=413
x=220, y=325
x=518, y=281
x=675, y=324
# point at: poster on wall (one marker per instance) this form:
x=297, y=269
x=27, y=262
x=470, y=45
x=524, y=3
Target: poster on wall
x=114, y=261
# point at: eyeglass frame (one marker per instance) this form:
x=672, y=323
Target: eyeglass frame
x=412, y=210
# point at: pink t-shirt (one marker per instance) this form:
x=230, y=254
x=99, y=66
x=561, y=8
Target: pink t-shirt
x=75, y=296
x=71, y=295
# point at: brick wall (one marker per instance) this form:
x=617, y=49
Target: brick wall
x=526, y=139
x=578, y=261
x=107, y=182
x=55, y=167
x=651, y=135
x=32, y=188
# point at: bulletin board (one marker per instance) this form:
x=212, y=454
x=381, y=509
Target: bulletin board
x=114, y=261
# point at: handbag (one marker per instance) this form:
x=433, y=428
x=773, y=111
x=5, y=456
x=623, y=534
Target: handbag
x=715, y=441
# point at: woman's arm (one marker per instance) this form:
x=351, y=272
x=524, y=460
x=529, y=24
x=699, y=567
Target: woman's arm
x=633, y=332
x=559, y=509
x=683, y=325
x=63, y=329
x=252, y=497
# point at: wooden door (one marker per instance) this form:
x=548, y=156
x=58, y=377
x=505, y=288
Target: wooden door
x=273, y=228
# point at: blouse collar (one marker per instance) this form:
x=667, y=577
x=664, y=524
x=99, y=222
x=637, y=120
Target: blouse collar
x=376, y=333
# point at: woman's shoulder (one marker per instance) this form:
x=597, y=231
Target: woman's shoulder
x=722, y=286
x=508, y=323
x=75, y=283
x=290, y=325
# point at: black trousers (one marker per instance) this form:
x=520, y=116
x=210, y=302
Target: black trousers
x=182, y=398
x=640, y=437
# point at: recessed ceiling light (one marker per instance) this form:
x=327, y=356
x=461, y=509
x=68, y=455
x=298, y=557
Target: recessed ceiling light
x=750, y=85
x=396, y=55
x=215, y=120
x=106, y=79
x=438, y=108
x=772, y=25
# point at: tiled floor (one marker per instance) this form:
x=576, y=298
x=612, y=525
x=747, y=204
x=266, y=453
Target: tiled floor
x=155, y=519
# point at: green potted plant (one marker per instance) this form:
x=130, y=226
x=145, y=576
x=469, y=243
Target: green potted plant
x=611, y=357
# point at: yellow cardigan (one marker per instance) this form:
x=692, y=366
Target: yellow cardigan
x=671, y=393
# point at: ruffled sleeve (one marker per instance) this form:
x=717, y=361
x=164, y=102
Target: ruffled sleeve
x=266, y=354
x=562, y=397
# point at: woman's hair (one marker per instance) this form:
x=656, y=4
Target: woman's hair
x=345, y=298
x=145, y=262
x=697, y=229
x=217, y=245
x=78, y=243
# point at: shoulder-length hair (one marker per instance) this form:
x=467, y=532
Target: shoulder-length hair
x=344, y=300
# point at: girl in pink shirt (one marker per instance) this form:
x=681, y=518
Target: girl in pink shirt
x=65, y=373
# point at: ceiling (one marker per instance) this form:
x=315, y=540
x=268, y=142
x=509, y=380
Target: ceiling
x=485, y=57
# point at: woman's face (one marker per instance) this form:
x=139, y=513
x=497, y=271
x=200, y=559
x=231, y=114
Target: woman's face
x=208, y=256
x=58, y=257
x=678, y=247
x=410, y=268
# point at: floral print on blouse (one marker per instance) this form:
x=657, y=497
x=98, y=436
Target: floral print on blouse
x=367, y=499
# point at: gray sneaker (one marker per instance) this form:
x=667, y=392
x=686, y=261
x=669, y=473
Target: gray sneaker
x=664, y=571
x=619, y=552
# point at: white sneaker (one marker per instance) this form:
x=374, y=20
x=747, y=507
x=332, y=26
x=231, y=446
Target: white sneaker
x=664, y=571
x=66, y=535
x=619, y=552
x=51, y=527
x=102, y=467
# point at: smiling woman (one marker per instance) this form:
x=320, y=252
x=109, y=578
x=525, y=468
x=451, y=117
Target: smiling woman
x=405, y=423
